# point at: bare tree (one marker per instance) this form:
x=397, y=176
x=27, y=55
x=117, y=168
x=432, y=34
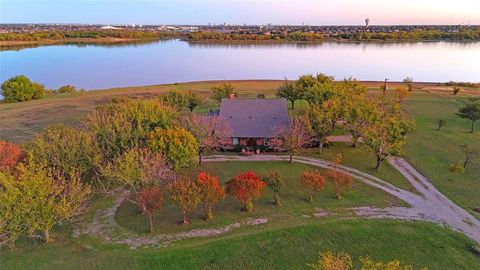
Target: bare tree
x=211, y=132
x=292, y=138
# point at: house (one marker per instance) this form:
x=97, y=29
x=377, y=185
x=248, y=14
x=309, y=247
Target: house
x=254, y=122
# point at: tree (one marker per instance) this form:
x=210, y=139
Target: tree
x=275, y=182
x=313, y=181
x=260, y=96
x=67, y=89
x=386, y=134
x=290, y=92
x=193, y=100
x=359, y=113
x=470, y=111
x=10, y=155
x=440, y=124
x=220, y=92
x=186, y=195
x=246, y=187
x=177, y=145
x=20, y=88
x=408, y=82
x=68, y=150
x=175, y=99
x=212, y=192
x=322, y=119
x=37, y=200
x=211, y=132
x=137, y=169
x=150, y=201
x=470, y=153
x=126, y=123
x=292, y=138
x=341, y=181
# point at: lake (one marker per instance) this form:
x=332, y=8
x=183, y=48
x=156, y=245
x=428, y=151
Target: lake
x=101, y=66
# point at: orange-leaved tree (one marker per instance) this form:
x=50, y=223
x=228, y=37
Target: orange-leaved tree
x=341, y=181
x=10, y=154
x=186, y=195
x=150, y=201
x=211, y=192
x=313, y=181
x=246, y=187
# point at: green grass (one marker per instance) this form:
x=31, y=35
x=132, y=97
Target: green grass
x=432, y=151
x=291, y=247
x=229, y=211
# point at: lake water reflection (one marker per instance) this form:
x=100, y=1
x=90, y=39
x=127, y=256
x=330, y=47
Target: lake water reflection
x=105, y=66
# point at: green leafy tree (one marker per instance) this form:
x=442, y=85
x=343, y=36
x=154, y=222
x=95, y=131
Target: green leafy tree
x=275, y=183
x=193, y=100
x=290, y=92
x=386, y=135
x=136, y=169
x=20, y=88
x=175, y=99
x=68, y=150
x=126, y=124
x=177, y=145
x=220, y=92
x=471, y=111
x=37, y=200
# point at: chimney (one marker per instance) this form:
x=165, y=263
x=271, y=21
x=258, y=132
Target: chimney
x=232, y=96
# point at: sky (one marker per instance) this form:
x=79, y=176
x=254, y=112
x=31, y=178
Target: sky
x=313, y=12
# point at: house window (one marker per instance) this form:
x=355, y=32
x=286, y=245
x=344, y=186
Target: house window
x=235, y=141
x=266, y=141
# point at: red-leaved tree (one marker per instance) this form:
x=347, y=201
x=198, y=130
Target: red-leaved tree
x=341, y=181
x=150, y=201
x=292, y=138
x=246, y=187
x=313, y=181
x=212, y=192
x=186, y=195
x=10, y=154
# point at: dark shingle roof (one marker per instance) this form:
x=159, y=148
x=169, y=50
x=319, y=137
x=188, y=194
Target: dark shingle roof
x=254, y=118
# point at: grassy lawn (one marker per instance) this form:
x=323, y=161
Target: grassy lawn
x=432, y=151
x=229, y=211
x=291, y=247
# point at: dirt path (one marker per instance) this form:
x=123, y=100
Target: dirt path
x=431, y=205
x=104, y=226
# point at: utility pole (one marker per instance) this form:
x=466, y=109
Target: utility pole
x=385, y=87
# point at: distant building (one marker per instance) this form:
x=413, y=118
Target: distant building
x=254, y=121
x=109, y=27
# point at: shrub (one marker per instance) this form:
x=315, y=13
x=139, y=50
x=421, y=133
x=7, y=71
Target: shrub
x=246, y=187
x=313, y=181
x=456, y=167
x=333, y=261
x=67, y=89
x=440, y=124
x=186, y=195
x=10, y=155
x=150, y=201
x=212, y=192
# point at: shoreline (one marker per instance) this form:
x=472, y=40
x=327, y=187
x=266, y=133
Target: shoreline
x=7, y=44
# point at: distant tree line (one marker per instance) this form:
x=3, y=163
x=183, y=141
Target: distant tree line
x=58, y=35
x=465, y=34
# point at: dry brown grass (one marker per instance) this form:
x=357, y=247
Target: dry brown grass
x=21, y=121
